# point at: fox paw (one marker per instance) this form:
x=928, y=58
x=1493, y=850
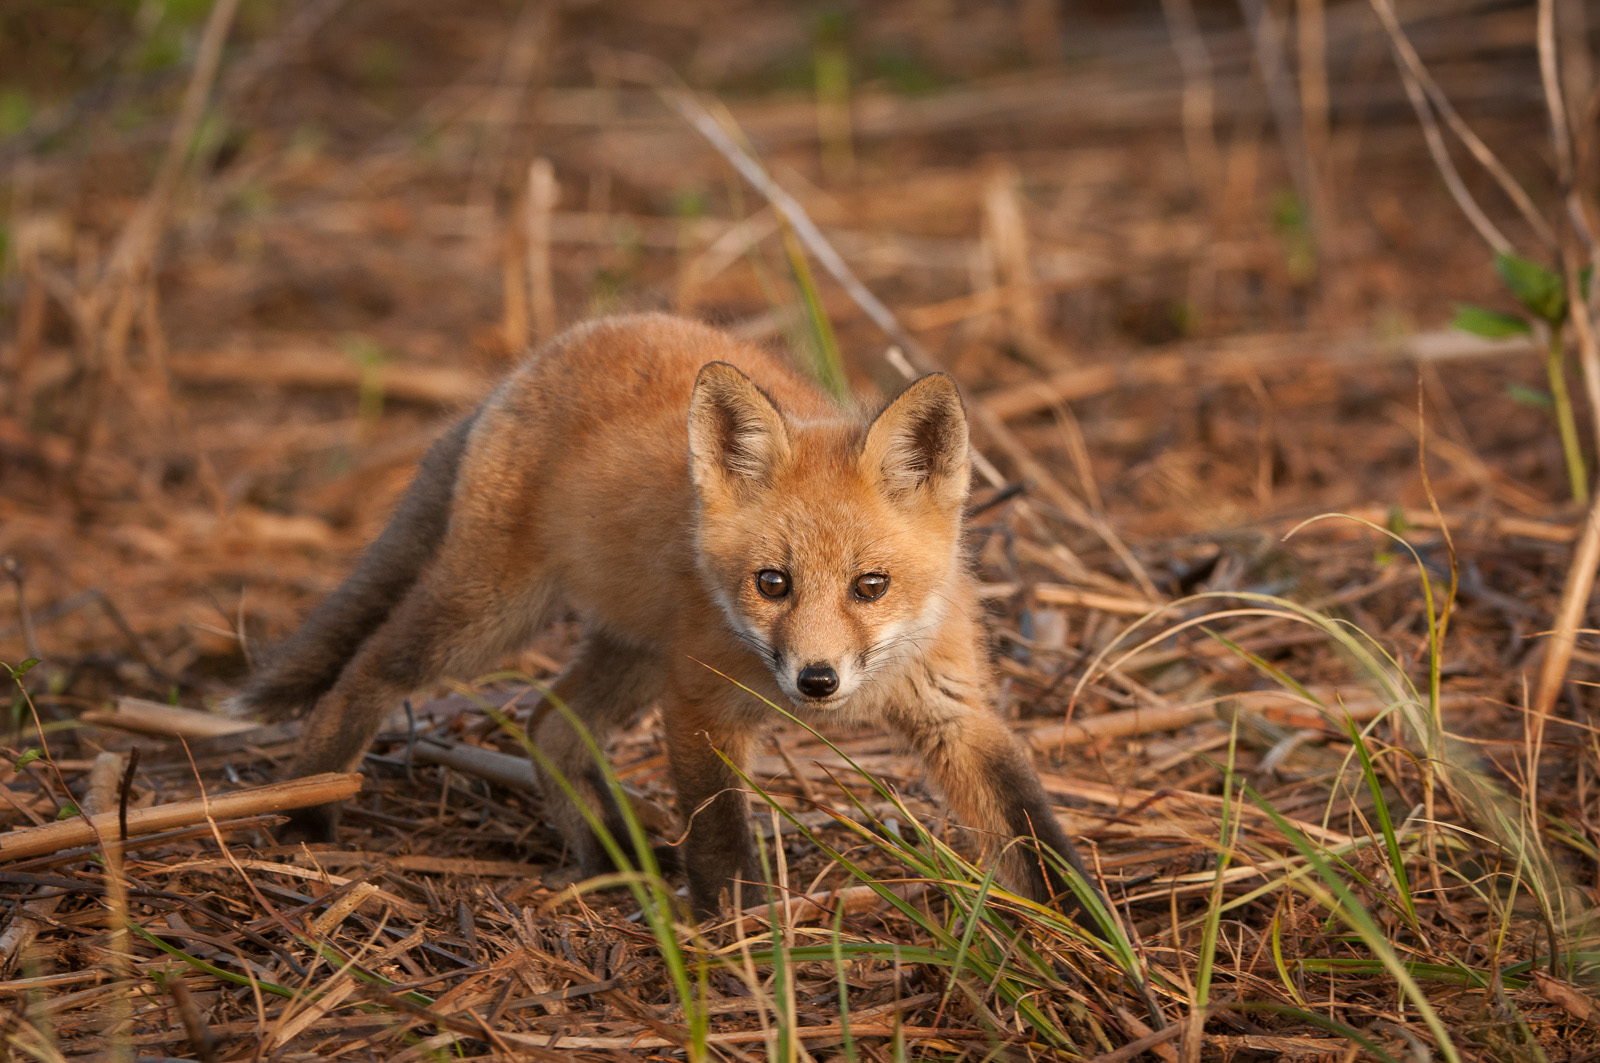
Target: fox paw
x=318, y=824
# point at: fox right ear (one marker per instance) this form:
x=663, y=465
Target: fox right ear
x=918, y=444
x=736, y=435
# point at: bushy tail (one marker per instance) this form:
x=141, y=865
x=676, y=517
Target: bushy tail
x=302, y=669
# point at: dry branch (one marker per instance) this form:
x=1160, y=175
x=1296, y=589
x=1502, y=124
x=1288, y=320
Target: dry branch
x=541, y=203
x=526, y=45
x=1581, y=574
x=182, y=834
x=422, y=865
x=154, y=718
x=1128, y=797
x=330, y=370
x=822, y=907
x=276, y=797
x=1061, y=594
x=508, y=769
x=1569, y=616
x=20, y=986
x=1503, y=527
x=1239, y=359
x=1005, y=241
x=1143, y=93
x=1424, y=91
x=363, y=891
x=1126, y=723
x=502, y=769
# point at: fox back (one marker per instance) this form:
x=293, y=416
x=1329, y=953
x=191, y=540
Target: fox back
x=711, y=517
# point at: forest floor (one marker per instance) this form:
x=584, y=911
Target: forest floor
x=1332, y=824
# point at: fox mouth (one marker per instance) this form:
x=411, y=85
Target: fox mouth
x=833, y=701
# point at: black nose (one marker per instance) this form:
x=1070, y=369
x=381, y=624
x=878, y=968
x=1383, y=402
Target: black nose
x=817, y=681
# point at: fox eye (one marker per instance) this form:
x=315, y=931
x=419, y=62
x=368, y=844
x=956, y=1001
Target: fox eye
x=872, y=585
x=772, y=583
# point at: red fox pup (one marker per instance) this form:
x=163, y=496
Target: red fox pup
x=698, y=504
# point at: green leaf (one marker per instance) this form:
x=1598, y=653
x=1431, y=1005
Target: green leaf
x=68, y=810
x=1530, y=396
x=209, y=968
x=1490, y=324
x=689, y=202
x=22, y=669
x=16, y=111
x=1540, y=291
x=28, y=758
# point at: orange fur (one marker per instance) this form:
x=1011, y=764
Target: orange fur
x=655, y=475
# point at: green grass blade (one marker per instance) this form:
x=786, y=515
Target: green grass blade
x=848, y=1044
x=1213, y=920
x=827, y=365
x=1338, y=898
x=650, y=890
x=1391, y=841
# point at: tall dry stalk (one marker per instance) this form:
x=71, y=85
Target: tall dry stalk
x=1005, y=238
x=543, y=194
x=105, y=310
x=1586, y=556
x=1573, y=244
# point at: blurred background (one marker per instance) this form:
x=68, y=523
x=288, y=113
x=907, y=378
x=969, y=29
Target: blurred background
x=256, y=253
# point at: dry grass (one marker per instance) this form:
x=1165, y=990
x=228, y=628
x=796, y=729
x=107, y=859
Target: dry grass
x=235, y=308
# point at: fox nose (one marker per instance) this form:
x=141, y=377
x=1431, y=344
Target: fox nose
x=817, y=680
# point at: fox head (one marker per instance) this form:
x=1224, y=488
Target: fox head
x=829, y=545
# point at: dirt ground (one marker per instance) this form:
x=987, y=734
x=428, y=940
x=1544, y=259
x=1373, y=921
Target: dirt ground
x=1200, y=289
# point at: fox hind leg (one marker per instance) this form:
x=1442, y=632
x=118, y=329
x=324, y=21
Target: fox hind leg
x=455, y=621
x=310, y=662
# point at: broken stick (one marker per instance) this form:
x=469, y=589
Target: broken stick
x=276, y=797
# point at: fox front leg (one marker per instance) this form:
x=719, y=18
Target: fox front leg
x=992, y=788
x=718, y=850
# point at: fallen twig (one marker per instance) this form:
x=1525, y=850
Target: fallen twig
x=152, y=717
x=1240, y=358
x=275, y=797
x=330, y=370
x=1126, y=723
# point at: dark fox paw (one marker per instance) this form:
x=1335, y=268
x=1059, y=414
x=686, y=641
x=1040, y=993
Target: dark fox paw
x=669, y=858
x=318, y=824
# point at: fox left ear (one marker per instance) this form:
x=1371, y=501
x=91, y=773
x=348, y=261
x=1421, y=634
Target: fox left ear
x=920, y=443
